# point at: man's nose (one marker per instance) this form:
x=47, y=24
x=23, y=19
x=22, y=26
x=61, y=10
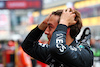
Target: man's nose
x=47, y=31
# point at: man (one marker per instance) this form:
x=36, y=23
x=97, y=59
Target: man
x=62, y=50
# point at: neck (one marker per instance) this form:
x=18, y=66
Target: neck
x=69, y=40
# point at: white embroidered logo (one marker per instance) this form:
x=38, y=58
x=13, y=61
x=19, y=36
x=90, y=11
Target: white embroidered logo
x=43, y=45
x=59, y=42
x=73, y=48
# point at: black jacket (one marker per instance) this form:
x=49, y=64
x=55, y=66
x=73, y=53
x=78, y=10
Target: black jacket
x=57, y=53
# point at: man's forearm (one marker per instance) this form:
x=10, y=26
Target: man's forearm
x=30, y=44
x=34, y=35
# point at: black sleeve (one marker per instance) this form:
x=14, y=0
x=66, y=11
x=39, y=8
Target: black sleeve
x=33, y=48
x=75, y=56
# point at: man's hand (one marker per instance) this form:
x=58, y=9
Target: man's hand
x=44, y=24
x=67, y=18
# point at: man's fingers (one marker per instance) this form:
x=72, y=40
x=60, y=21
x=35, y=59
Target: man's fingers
x=74, y=15
x=71, y=12
x=49, y=14
x=68, y=10
x=64, y=11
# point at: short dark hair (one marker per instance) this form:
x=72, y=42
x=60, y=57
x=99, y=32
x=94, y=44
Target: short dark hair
x=74, y=29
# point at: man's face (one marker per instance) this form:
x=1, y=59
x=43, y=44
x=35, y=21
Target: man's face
x=52, y=24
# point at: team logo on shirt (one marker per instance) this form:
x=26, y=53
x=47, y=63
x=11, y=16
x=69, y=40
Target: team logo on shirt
x=59, y=42
x=73, y=48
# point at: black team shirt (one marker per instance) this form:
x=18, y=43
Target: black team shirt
x=57, y=53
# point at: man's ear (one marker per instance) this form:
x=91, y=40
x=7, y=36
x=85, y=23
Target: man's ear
x=68, y=31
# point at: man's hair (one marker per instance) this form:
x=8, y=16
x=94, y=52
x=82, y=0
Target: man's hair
x=74, y=29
